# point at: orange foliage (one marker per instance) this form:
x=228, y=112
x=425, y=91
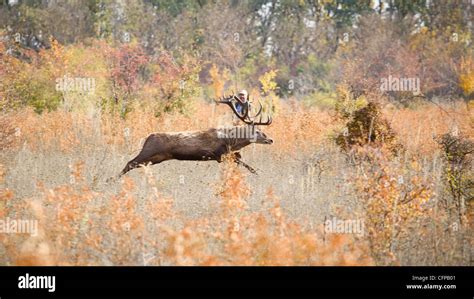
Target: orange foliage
x=83, y=226
x=417, y=127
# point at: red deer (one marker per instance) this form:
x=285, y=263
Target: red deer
x=206, y=145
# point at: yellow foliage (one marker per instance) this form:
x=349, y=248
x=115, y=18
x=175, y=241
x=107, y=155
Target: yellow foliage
x=269, y=86
x=218, y=79
x=267, y=81
x=466, y=76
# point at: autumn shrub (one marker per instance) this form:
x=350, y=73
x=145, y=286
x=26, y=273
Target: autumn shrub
x=458, y=150
x=219, y=79
x=123, y=77
x=363, y=126
x=394, y=199
x=269, y=87
x=126, y=63
x=177, y=82
x=7, y=133
x=466, y=77
x=29, y=79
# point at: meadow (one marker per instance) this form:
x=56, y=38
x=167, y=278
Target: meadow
x=56, y=166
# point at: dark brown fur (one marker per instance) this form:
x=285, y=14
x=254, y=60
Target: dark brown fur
x=206, y=145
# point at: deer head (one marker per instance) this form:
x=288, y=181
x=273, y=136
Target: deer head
x=245, y=115
x=257, y=136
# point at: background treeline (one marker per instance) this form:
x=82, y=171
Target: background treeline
x=166, y=53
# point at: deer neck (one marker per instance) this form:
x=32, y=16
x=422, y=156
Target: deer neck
x=239, y=143
x=237, y=137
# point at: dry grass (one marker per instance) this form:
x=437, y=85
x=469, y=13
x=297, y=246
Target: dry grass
x=416, y=128
x=55, y=165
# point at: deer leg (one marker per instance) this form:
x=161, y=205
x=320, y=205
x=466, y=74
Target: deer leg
x=133, y=164
x=143, y=160
x=237, y=159
x=150, y=153
x=130, y=165
x=240, y=162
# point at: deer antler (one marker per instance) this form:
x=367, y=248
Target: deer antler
x=267, y=122
x=245, y=117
